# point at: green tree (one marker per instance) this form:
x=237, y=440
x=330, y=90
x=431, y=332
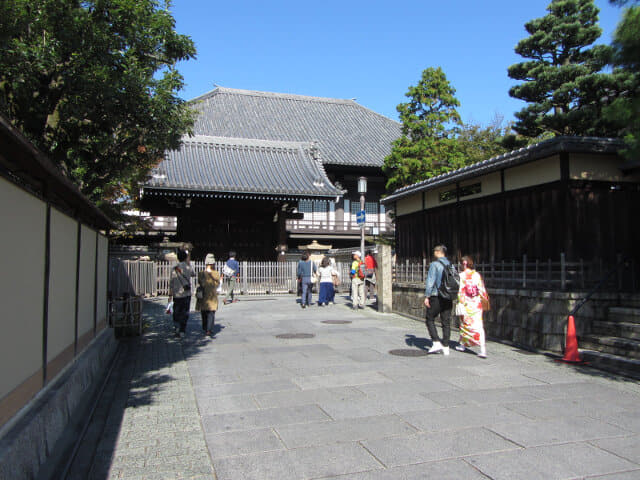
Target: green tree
x=563, y=81
x=430, y=122
x=93, y=83
x=626, y=57
x=478, y=142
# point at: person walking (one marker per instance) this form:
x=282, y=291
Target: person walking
x=473, y=299
x=436, y=302
x=357, y=281
x=306, y=272
x=231, y=274
x=370, y=273
x=326, y=292
x=207, y=294
x=335, y=277
x=180, y=291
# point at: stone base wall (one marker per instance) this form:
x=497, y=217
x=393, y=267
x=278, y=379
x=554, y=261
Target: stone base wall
x=42, y=434
x=530, y=318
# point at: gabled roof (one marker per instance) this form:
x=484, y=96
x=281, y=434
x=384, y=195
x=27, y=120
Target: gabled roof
x=242, y=168
x=516, y=157
x=346, y=133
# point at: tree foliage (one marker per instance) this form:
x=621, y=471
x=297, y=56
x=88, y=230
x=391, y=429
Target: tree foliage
x=93, y=84
x=626, y=57
x=478, y=142
x=430, y=122
x=563, y=81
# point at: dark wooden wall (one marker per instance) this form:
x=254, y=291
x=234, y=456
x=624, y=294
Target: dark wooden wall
x=585, y=220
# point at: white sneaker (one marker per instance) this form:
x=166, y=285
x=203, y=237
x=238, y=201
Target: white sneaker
x=445, y=350
x=436, y=347
x=461, y=348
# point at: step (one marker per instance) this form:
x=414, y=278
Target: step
x=617, y=329
x=612, y=363
x=614, y=345
x=624, y=314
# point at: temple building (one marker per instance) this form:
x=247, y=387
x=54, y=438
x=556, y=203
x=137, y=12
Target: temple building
x=265, y=173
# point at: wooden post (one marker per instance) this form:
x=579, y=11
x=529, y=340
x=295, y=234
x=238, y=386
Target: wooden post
x=524, y=271
x=563, y=272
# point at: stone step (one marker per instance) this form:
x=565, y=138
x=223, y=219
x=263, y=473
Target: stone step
x=617, y=329
x=624, y=314
x=612, y=363
x=623, y=347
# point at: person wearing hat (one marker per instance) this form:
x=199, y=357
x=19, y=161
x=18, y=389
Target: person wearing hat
x=207, y=294
x=357, y=281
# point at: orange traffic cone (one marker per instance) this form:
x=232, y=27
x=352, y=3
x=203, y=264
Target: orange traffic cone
x=571, y=354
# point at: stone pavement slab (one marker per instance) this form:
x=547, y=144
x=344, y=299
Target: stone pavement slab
x=248, y=405
x=568, y=461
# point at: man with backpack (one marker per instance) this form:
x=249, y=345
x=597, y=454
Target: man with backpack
x=441, y=288
x=357, y=281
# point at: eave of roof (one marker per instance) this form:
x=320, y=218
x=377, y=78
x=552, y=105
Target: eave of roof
x=516, y=157
x=32, y=170
x=221, y=167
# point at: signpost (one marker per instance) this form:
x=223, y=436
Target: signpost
x=361, y=218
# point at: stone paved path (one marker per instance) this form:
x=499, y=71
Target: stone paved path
x=248, y=405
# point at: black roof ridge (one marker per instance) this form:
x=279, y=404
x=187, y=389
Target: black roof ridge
x=561, y=142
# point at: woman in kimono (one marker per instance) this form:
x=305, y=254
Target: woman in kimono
x=471, y=297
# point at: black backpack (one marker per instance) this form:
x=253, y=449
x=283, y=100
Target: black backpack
x=450, y=283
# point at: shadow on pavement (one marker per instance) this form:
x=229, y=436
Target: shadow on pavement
x=141, y=370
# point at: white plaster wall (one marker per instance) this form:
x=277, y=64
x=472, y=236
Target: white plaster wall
x=62, y=283
x=22, y=244
x=87, y=280
x=539, y=172
x=583, y=166
x=103, y=270
x=410, y=204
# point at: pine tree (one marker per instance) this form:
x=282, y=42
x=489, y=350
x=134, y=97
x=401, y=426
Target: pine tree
x=563, y=81
x=626, y=108
x=430, y=122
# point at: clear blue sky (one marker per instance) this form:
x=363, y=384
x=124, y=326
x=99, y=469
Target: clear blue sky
x=369, y=50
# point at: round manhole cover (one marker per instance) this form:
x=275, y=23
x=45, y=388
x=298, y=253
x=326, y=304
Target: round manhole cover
x=295, y=335
x=336, y=322
x=408, y=352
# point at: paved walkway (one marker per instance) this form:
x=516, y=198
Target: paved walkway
x=247, y=405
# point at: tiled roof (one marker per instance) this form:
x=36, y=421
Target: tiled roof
x=516, y=157
x=238, y=167
x=346, y=133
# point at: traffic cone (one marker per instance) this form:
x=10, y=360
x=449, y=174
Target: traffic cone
x=571, y=354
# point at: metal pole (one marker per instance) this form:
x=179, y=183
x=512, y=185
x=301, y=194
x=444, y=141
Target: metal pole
x=362, y=226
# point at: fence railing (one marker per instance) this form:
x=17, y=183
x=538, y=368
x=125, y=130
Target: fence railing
x=536, y=275
x=133, y=277
x=372, y=226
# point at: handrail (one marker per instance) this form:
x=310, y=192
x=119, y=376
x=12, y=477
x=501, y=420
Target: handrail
x=595, y=289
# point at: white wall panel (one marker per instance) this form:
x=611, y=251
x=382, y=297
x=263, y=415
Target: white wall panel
x=86, y=310
x=62, y=283
x=103, y=270
x=22, y=244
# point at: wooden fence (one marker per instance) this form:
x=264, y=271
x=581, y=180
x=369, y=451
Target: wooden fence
x=538, y=275
x=132, y=277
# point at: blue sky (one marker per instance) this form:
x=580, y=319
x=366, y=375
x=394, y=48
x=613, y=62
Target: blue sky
x=369, y=50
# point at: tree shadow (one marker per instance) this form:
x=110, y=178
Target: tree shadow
x=141, y=372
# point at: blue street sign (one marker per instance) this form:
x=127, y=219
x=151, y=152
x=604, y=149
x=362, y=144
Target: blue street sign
x=360, y=217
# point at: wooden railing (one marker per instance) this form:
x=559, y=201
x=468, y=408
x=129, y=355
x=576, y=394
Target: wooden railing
x=536, y=275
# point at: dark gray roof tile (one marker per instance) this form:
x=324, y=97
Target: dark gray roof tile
x=346, y=133
x=244, y=166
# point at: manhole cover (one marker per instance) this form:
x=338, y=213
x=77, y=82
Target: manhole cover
x=336, y=322
x=408, y=352
x=295, y=335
